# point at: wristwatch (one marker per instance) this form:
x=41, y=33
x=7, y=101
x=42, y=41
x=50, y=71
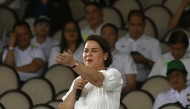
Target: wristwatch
x=76, y=64
x=10, y=48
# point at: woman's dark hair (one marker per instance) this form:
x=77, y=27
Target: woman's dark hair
x=21, y=23
x=110, y=25
x=104, y=45
x=136, y=12
x=64, y=43
x=178, y=37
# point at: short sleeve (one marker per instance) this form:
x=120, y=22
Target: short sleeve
x=112, y=80
x=54, y=52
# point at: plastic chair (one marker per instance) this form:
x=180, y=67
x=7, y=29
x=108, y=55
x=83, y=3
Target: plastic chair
x=150, y=28
x=172, y=5
x=122, y=106
x=61, y=94
x=58, y=35
x=60, y=76
x=147, y=3
x=42, y=106
x=54, y=103
x=156, y=84
x=31, y=21
x=138, y=99
x=7, y=20
x=171, y=106
x=156, y=13
x=124, y=6
x=9, y=78
x=39, y=89
x=15, y=99
x=168, y=34
x=77, y=8
x=112, y=15
x=1, y=106
x=82, y=23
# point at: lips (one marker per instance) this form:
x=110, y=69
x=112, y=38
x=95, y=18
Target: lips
x=89, y=60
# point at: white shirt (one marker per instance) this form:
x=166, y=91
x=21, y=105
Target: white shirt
x=87, y=31
x=160, y=67
x=105, y=97
x=172, y=96
x=14, y=5
x=48, y=44
x=78, y=54
x=25, y=57
x=124, y=64
x=149, y=47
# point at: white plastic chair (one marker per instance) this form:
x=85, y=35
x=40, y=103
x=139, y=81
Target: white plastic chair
x=82, y=23
x=171, y=106
x=61, y=94
x=77, y=8
x=150, y=28
x=39, y=89
x=172, y=5
x=9, y=78
x=42, y=106
x=156, y=84
x=31, y=21
x=124, y=6
x=161, y=16
x=165, y=47
x=112, y=15
x=58, y=35
x=147, y=3
x=138, y=99
x=15, y=99
x=54, y=103
x=122, y=32
x=60, y=76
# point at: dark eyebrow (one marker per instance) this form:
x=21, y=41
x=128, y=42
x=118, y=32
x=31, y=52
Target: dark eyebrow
x=92, y=48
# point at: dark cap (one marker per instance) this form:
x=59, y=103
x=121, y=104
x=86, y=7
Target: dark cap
x=175, y=65
x=41, y=19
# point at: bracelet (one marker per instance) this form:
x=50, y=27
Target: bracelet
x=146, y=62
x=76, y=64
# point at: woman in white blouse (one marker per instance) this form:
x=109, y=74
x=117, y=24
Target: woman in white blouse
x=101, y=87
x=71, y=39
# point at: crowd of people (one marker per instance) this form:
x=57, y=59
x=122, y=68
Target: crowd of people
x=108, y=66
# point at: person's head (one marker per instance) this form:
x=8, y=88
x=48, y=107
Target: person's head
x=178, y=43
x=70, y=34
x=97, y=53
x=136, y=23
x=94, y=13
x=177, y=74
x=110, y=33
x=42, y=26
x=23, y=34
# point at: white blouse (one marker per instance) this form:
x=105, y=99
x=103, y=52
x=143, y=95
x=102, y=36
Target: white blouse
x=105, y=97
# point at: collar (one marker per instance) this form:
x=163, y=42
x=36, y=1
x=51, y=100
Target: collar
x=185, y=56
x=27, y=49
x=99, y=27
x=187, y=89
x=47, y=39
x=143, y=36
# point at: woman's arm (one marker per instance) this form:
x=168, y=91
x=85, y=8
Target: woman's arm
x=174, y=21
x=91, y=75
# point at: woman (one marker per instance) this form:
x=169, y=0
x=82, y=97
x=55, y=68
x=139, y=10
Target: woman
x=71, y=39
x=101, y=87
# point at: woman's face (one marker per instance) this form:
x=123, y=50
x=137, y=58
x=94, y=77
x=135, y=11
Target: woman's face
x=94, y=56
x=71, y=32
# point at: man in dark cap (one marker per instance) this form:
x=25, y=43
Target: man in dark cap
x=42, y=26
x=180, y=92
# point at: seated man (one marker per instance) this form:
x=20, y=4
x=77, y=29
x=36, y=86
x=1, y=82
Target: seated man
x=42, y=39
x=178, y=43
x=121, y=61
x=26, y=59
x=180, y=92
x=94, y=17
x=145, y=50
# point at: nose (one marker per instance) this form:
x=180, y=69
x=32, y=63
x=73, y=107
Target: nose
x=89, y=54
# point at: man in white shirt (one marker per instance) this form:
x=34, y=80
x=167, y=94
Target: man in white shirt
x=144, y=49
x=26, y=59
x=121, y=61
x=178, y=43
x=94, y=17
x=180, y=92
x=42, y=39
